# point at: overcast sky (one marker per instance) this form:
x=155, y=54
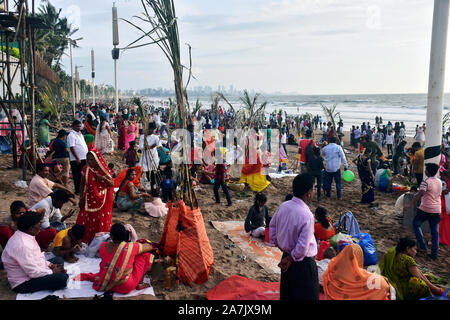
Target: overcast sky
x=301, y=46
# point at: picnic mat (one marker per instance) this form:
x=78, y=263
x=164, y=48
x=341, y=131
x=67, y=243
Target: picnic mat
x=266, y=256
x=282, y=175
x=81, y=289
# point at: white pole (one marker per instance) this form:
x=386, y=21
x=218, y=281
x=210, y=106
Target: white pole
x=93, y=77
x=433, y=134
x=73, y=85
x=115, y=30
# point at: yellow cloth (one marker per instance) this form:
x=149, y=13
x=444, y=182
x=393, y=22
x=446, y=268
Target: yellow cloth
x=419, y=158
x=58, y=240
x=256, y=181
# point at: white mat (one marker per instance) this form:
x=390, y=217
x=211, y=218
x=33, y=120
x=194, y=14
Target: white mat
x=282, y=175
x=81, y=289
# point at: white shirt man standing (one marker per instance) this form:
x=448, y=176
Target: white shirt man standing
x=78, y=151
x=333, y=155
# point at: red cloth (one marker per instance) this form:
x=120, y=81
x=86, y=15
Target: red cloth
x=324, y=245
x=323, y=234
x=43, y=238
x=303, y=144
x=88, y=128
x=444, y=225
x=122, y=133
x=96, y=215
x=241, y=288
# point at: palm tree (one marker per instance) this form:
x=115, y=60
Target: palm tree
x=331, y=114
x=52, y=42
x=51, y=103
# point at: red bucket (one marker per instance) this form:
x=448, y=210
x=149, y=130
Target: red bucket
x=267, y=235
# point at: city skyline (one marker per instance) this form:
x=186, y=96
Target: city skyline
x=311, y=47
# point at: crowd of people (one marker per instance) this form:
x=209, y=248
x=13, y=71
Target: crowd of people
x=98, y=131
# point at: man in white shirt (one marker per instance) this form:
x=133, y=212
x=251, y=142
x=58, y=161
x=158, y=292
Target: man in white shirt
x=27, y=269
x=150, y=160
x=52, y=206
x=333, y=155
x=78, y=151
x=283, y=140
x=389, y=142
x=40, y=187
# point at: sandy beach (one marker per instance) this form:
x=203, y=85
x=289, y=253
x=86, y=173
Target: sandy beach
x=383, y=224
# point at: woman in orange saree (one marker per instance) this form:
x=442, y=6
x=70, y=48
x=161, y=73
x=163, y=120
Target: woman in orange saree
x=123, y=264
x=97, y=196
x=345, y=278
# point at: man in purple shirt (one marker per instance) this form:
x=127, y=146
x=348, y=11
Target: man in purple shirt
x=292, y=230
x=27, y=269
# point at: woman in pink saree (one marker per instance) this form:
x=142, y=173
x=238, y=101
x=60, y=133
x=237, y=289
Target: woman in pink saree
x=123, y=264
x=131, y=133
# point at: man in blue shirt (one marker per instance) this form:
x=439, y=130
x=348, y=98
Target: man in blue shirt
x=333, y=155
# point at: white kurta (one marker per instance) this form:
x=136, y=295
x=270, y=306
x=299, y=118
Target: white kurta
x=149, y=158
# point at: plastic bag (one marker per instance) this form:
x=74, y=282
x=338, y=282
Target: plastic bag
x=94, y=246
x=399, y=204
x=340, y=238
x=370, y=252
x=21, y=184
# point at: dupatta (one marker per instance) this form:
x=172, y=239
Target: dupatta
x=95, y=193
x=345, y=278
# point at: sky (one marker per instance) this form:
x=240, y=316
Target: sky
x=288, y=46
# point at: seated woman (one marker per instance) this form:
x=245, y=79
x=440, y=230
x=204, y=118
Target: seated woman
x=128, y=197
x=324, y=229
x=67, y=242
x=27, y=269
x=399, y=267
x=345, y=278
x=123, y=264
x=254, y=222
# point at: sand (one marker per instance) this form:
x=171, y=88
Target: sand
x=383, y=224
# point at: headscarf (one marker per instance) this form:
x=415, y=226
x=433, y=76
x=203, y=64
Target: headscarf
x=89, y=138
x=96, y=193
x=345, y=278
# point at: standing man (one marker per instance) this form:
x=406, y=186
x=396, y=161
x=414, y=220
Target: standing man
x=78, y=151
x=303, y=145
x=292, y=230
x=333, y=155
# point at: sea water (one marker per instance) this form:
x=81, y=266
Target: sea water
x=354, y=109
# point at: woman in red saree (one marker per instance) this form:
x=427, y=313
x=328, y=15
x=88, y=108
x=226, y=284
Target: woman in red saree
x=122, y=129
x=97, y=196
x=444, y=225
x=123, y=264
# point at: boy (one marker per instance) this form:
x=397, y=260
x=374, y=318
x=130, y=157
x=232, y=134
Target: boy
x=219, y=181
x=168, y=185
x=67, y=242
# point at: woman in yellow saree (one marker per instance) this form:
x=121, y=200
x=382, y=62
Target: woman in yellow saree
x=123, y=264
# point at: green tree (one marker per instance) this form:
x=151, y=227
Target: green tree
x=53, y=104
x=52, y=42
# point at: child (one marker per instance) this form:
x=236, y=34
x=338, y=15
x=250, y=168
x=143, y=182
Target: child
x=131, y=157
x=111, y=167
x=168, y=185
x=254, y=222
x=315, y=167
x=219, y=181
x=67, y=242
x=156, y=208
